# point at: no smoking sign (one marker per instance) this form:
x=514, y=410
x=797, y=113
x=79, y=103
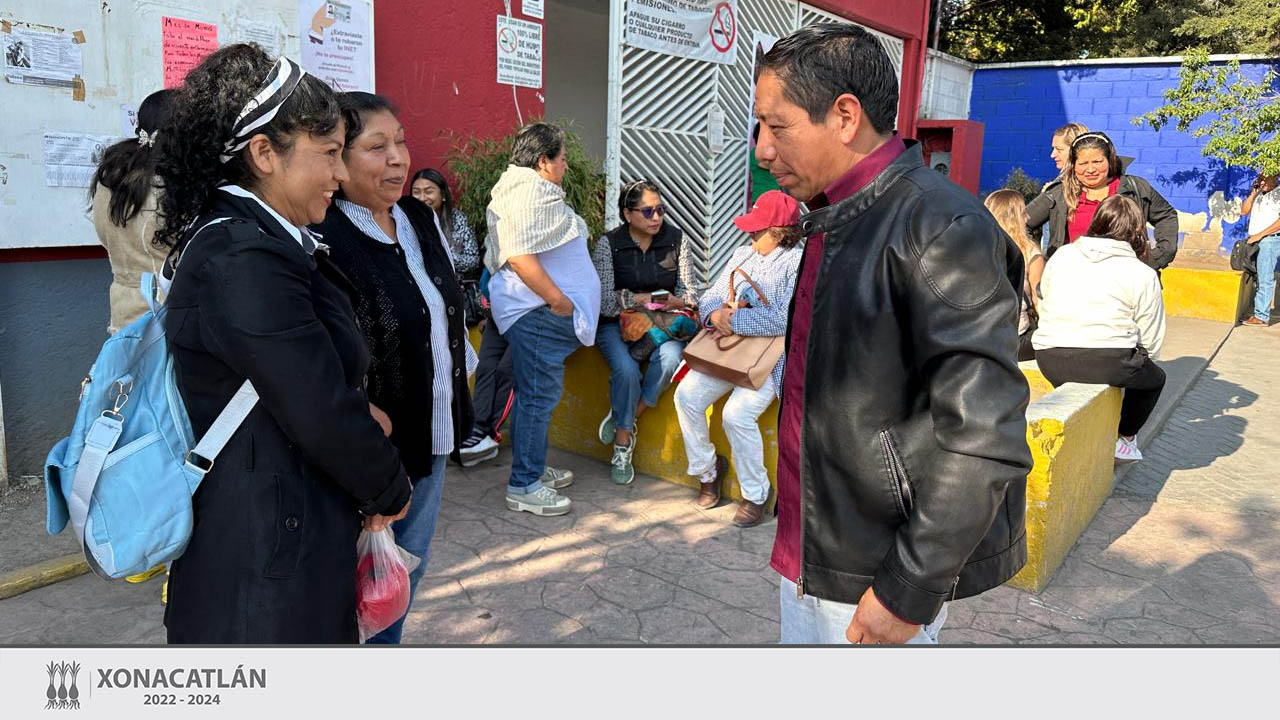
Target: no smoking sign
x=724, y=28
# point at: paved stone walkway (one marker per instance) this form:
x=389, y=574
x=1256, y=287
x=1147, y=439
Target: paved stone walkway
x=1186, y=551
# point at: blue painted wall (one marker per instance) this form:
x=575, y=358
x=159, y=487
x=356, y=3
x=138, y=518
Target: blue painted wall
x=1021, y=107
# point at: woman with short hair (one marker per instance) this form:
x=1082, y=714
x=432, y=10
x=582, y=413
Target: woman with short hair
x=1102, y=317
x=408, y=302
x=252, y=155
x=546, y=301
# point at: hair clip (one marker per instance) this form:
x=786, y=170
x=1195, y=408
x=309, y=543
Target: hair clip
x=145, y=138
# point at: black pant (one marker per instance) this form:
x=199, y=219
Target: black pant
x=494, y=381
x=1025, y=350
x=1131, y=369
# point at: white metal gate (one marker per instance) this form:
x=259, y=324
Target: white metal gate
x=658, y=125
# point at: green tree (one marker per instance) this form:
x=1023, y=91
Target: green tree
x=1236, y=115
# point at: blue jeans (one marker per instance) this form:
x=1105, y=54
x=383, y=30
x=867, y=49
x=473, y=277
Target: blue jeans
x=1268, y=253
x=811, y=621
x=627, y=383
x=540, y=343
x=413, y=533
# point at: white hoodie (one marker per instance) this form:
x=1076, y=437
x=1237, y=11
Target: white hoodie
x=1098, y=294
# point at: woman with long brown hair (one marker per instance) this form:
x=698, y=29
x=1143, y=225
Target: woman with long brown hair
x=1102, y=316
x=1096, y=172
x=1010, y=210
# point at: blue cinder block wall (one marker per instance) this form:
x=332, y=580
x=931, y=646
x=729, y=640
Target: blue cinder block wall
x=1022, y=106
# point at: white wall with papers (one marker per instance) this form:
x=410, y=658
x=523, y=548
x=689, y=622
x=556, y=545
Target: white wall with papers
x=49, y=116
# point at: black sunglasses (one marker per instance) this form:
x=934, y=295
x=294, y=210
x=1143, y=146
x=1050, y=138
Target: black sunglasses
x=649, y=212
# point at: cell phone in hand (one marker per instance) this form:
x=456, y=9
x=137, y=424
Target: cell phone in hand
x=661, y=296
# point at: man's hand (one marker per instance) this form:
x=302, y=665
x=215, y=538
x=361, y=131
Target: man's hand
x=872, y=624
x=383, y=421
x=1254, y=239
x=374, y=523
x=722, y=320
x=562, y=306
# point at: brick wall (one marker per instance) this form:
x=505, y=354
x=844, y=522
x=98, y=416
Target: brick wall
x=1022, y=105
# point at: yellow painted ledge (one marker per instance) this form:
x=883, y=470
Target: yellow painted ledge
x=1203, y=294
x=1072, y=435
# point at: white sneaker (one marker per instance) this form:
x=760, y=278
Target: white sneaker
x=1127, y=451
x=486, y=449
x=544, y=502
x=555, y=478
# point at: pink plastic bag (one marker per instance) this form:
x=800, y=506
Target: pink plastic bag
x=382, y=581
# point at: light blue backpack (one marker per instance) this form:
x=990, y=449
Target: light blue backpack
x=125, y=476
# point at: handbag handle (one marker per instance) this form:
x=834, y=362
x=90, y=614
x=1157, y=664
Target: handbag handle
x=733, y=293
x=720, y=339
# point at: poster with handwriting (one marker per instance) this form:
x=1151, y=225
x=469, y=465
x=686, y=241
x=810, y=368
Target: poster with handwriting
x=183, y=44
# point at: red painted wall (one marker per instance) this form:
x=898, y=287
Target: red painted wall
x=963, y=139
x=437, y=60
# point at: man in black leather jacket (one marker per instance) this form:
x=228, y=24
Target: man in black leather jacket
x=902, y=435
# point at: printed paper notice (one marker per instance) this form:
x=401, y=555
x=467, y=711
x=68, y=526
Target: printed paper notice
x=519, y=52
x=71, y=158
x=698, y=29
x=264, y=34
x=128, y=121
x=337, y=42
x=533, y=8
x=183, y=44
x=41, y=58
x=715, y=129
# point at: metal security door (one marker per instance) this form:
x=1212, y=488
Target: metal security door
x=658, y=113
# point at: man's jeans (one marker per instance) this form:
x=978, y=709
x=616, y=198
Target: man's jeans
x=540, y=343
x=1268, y=253
x=697, y=392
x=627, y=383
x=810, y=621
x=413, y=533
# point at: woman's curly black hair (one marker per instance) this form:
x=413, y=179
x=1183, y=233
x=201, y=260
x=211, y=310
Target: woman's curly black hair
x=202, y=119
x=127, y=168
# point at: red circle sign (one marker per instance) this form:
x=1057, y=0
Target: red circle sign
x=507, y=39
x=723, y=28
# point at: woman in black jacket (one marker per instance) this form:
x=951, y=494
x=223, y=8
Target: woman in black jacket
x=1095, y=172
x=251, y=155
x=409, y=306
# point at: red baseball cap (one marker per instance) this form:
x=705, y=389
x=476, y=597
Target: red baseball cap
x=772, y=209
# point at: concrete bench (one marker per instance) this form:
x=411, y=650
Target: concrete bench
x=1071, y=432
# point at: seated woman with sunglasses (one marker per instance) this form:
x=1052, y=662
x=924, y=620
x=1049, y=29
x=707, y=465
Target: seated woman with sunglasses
x=642, y=261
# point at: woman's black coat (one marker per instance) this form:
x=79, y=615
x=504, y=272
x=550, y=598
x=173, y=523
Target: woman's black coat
x=272, y=558
x=397, y=328
x=1051, y=207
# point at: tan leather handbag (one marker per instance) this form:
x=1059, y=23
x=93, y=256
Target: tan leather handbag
x=740, y=359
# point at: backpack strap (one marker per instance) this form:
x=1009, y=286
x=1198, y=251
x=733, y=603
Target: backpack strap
x=200, y=459
x=98, y=443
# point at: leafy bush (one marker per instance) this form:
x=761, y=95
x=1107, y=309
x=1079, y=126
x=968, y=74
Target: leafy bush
x=1026, y=185
x=478, y=162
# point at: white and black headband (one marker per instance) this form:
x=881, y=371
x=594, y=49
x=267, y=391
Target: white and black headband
x=263, y=106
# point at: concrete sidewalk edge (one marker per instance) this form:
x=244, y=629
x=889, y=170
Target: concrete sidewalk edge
x=1158, y=419
x=32, y=577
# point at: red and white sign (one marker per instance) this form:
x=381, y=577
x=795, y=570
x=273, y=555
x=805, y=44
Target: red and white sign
x=699, y=29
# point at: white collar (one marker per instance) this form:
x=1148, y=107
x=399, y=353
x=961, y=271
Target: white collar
x=289, y=227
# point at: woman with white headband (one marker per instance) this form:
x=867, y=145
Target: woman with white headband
x=251, y=156
x=123, y=195
x=1094, y=172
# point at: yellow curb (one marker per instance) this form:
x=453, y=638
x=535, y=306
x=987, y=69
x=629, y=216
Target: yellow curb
x=39, y=575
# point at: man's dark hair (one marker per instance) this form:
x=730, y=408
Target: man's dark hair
x=535, y=142
x=819, y=63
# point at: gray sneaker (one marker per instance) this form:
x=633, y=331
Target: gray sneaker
x=544, y=502
x=622, y=473
x=556, y=478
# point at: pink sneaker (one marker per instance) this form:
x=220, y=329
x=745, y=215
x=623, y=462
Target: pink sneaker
x=1127, y=451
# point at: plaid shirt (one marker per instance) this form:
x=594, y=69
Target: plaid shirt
x=775, y=273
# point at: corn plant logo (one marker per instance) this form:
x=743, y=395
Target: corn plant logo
x=62, y=691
